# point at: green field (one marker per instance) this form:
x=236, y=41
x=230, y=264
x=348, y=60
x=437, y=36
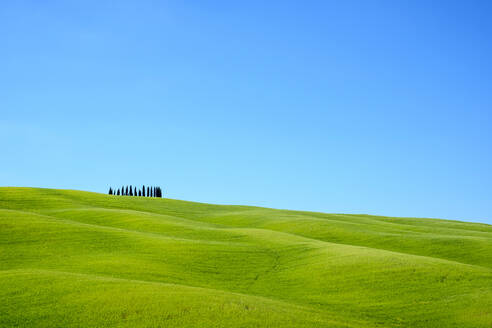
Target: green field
x=81, y=259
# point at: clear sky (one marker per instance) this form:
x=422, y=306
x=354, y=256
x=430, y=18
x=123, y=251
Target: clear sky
x=379, y=107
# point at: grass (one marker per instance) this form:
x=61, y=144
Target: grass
x=80, y=259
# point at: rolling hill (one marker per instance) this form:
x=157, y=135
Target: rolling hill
x=80, y=259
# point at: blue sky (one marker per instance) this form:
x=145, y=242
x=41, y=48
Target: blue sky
x=379, y=107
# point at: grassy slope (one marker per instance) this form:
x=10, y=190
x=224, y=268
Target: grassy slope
x=86, y=259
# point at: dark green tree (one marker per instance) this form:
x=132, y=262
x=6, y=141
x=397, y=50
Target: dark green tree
x=118, y=192
x=110, y=191
x=143, y=190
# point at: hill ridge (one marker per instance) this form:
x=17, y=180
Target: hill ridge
x=344, y=267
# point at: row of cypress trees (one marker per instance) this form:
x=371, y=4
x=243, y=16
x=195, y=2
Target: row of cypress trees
x=132, y=191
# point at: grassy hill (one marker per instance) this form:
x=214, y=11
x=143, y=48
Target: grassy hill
x=72, y=258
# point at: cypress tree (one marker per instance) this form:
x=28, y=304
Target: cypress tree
x=135, y=191
x=131, y=191
x=110, y=191
x=122, y=191
x=126, y=191
x=140, y=193
x=148, y=191
x=143, y=190
x=118, y=192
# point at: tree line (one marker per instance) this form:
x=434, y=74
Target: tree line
x=132, y=191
